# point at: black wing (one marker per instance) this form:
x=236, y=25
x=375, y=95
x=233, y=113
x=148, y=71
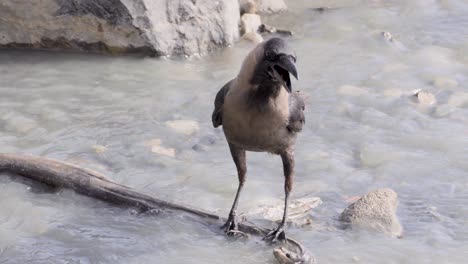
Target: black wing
x=296, y=112
x=217, y=116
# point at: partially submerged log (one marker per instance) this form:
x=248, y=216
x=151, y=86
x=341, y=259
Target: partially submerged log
x=58, y=174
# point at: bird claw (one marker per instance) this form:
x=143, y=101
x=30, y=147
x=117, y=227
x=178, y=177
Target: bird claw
x=231, y=226
x=276, y=234
x=236, y=233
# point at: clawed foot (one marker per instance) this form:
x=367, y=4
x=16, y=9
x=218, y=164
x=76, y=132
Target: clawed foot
x=231, y=227
x=276, y=234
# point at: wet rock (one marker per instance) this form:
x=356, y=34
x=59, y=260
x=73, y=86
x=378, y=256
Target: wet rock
x=250, y=23
x=186, y=127
x=253, y=37
x=425, y=98
x=269, y=6
x=99, y=149
x=299, y=210
x=375, y=211
x=156, y=28
x=248, y=6
x=156, y=147
x=272, y=30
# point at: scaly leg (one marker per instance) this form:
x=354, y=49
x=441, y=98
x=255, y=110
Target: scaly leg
x=288, y=167
x=238, y=155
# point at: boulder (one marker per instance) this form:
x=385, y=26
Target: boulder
x=248, y=6
x=250, y=23
x=264, y=6
x=375, y=211
x=152, y=27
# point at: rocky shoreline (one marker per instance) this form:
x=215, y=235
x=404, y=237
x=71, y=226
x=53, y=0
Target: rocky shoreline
x=152, y=28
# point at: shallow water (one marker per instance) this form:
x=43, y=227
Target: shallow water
x=364, y=130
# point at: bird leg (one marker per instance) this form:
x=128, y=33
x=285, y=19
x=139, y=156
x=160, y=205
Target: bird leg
x=238, y=155
x=288, y=167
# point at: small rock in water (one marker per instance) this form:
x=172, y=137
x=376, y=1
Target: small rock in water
x=252, y=37
x=272, y=30
x=270, y=6
x=425, y=98
x=250, y=23
x=375, y=211
x=297, y=209
x=247, y=7
x=99, y=149
x=186, y=127
x=156, y=147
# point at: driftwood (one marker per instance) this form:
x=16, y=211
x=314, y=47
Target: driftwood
x=58, y=174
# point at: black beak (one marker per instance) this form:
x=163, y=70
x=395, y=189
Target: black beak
x=287, y=62
x=284, y=67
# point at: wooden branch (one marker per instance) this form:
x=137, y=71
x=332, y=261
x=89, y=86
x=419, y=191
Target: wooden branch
x=93, y=184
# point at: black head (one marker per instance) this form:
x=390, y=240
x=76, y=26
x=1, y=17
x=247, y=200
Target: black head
x=277, y=63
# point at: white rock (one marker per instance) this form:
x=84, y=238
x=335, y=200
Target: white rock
x=248, y=6
x=425, y=98
x=250, y=23
x=162, y=27
x=375, y=211
x=99, y=148
x=270, y=6
x=186, y=127
x=252, y=37
x=156, y=147
x=297, y=209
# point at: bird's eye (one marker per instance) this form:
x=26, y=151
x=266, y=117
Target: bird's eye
x=293, y=58
x=271, y=54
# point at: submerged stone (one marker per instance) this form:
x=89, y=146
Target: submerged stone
x=375, y=211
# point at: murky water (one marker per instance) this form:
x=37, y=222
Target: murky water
x=364, y=130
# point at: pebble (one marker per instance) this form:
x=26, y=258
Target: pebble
x=186, y=127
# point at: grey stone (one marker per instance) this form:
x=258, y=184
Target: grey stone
x=152, y=27
x=250, y=23
x=264, y=6
x=248, y=6
x=375, y=211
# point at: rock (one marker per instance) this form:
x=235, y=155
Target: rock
x=250, y=23
x=298, y=210
x=152, y=27
x=268, y=6
x=99, y=149
x=156, y=147
x=272, y=30
x=425, y=98
x=253, y=37
x=375, y=211
x=186, y=127
x=248, y=6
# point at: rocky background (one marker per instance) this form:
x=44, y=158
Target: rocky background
x=150, y=27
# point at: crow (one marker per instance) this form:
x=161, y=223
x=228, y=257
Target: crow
x=259, y=112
